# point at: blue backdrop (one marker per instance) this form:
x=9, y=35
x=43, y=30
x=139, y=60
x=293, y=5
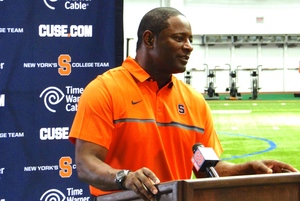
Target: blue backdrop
x=49, y=51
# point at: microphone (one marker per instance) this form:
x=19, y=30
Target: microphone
x=205, y=159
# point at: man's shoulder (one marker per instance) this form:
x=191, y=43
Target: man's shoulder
x=187, y=90
x=114, y=72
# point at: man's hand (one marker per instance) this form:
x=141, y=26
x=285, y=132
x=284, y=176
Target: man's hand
x=142, y=182
x=225, y=168
x=270, y=166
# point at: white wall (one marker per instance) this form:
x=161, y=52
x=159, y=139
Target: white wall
x=232, y=17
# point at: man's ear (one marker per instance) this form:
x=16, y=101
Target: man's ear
x=148, y=38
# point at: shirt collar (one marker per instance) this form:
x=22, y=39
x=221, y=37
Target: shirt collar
x=139, y=73
x=135, y=69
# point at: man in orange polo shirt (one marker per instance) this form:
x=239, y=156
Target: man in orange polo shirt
x=136, y=124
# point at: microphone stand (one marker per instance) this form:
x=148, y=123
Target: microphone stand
x=211, y=172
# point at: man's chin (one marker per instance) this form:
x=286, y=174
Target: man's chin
x=180, y=70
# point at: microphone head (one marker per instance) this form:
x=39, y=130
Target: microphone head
x=198, y=144
x=204, y=157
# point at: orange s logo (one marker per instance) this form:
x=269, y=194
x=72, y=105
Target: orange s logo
x=65, y=165
x=64, y=64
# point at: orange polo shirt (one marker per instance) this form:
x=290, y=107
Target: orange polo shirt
x=142, y=126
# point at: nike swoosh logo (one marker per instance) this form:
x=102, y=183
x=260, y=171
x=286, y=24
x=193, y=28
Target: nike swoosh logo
x=135, y=102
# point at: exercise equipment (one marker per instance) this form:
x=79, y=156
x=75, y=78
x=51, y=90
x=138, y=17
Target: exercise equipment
x=210, y=88
x=188, y=77
x=254, y=84
x=233, y=88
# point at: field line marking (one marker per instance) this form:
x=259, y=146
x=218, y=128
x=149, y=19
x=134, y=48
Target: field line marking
x=231, y=111
x=271, y=143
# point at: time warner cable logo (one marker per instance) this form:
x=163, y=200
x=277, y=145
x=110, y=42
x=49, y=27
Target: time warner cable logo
x=48, y=5
x=1, y=173
x=2, y=100
x=72, y=194
x=52, y=96
x=53, y=194
x=69, y=4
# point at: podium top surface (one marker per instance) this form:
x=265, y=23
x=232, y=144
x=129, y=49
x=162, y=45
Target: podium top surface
x=247, y=180
x=181, y=189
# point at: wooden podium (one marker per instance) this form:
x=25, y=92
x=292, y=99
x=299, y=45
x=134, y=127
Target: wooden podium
x=274, y=187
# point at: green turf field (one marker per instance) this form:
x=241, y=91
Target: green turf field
x=258, y=129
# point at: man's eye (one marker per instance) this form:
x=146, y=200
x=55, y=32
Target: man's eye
x=178, y=38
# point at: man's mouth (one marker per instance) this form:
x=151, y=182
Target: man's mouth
x=184, y=58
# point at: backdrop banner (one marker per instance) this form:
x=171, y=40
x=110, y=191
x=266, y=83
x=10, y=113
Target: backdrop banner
x=49, y=51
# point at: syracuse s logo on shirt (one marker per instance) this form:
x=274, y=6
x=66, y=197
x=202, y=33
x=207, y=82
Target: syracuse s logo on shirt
x=181, y=109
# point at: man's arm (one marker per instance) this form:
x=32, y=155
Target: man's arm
x=90, y=167
x=92, y=170
x=225, y=168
